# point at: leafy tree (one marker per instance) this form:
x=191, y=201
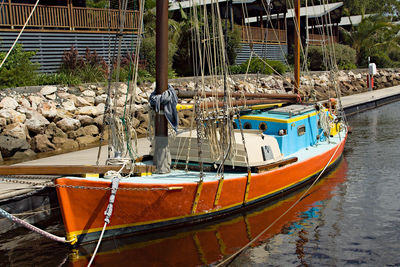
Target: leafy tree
x=18, y=69
x=374, y=37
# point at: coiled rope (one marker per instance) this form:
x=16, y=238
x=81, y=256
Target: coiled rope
x=228, y=260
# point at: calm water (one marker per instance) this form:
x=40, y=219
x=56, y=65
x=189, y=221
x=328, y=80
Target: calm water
x=351, y=217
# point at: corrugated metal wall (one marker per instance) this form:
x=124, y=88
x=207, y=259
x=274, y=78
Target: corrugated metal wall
x=270, y=51
x=49, y=46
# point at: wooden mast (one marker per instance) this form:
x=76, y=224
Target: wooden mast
x=297, y=46
x=161, y=152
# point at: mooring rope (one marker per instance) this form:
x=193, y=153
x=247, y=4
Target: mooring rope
x=233, y=256
x=116, y=178
x=29, y=226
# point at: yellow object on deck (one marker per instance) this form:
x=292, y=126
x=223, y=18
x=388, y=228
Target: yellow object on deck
x=184, y=106
x=335, y=127
x=254, y=107
x=91, y=175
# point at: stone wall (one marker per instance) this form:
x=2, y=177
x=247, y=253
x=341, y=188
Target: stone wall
x=58, y=118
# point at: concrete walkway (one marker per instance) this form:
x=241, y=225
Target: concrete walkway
x=351, y=104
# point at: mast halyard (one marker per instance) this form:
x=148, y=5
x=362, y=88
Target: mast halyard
x=162, y=157
x=297, y=46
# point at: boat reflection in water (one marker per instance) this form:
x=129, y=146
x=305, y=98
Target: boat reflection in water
x=211, y=242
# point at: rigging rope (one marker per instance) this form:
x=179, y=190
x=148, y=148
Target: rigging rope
x=233, y=256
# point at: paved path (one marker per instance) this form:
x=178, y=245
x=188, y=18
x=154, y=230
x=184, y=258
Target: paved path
x=89, y=156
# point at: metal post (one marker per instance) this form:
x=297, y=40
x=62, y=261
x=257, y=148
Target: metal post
x=162, y=158
x=297, y=46
x=369, y=76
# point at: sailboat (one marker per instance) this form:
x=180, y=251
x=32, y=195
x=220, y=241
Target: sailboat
x=233, y=160
x=236, y=163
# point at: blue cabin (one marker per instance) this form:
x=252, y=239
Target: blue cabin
x=294, y=127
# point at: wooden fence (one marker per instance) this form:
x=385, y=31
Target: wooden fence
x=66, y=18
x=263, y=35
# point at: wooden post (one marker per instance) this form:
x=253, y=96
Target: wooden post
x=10, y=14
x=70, y=15
x=297, y=46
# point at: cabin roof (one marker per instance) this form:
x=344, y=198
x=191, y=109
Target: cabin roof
x=286, y=114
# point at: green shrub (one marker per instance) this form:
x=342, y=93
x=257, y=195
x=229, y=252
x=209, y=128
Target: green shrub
x=148, y=51
x=235, y=69
x=263, y=66
x=346, y=57
x=18, y=69
x=57, y=78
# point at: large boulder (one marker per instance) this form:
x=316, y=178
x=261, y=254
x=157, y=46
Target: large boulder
x=69, y=106
x=86, y=140
x=12, y=116
x=76, y=134
x=36, y=122
x=3, y=123
x=9, y=145
x=8, y=103
x=29, y=153
x=53, y=131
x=89, y=93
x=35, y=101
x=91, y=130
x=48, y=110
x=85, y=120
x=41, y=143
x=48, y=90
x=17, y=130
x=79, y=101
x=88, y=110
x=68, y=124
x=65, y=143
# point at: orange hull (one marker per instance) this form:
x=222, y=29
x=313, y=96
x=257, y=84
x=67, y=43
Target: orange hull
x=144, y=209
x=210, y=244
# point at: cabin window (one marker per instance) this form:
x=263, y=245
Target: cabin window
x=301, y=130
x=234, y=125
x=247, y=125
x=262, y=126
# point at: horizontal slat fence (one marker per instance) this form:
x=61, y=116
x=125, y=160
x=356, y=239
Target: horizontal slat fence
x=50, y=46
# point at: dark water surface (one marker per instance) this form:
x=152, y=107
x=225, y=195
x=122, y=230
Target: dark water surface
x=351, y=217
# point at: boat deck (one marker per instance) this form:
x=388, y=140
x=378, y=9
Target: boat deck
x=181, y=176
